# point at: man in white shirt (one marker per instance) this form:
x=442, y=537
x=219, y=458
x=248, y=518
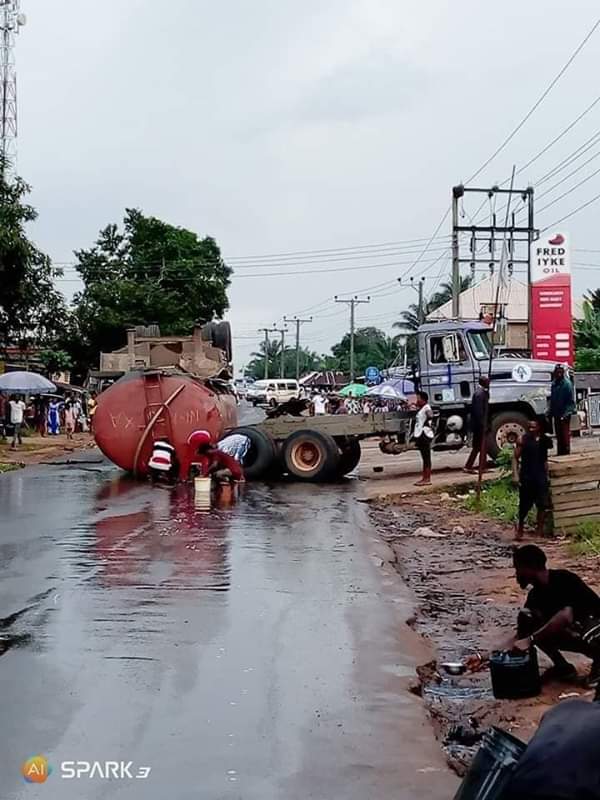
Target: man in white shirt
x=320, y=404
x=17, y=414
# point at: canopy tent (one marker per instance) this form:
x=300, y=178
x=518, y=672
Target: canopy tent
x=25, y=383
x=398, y=388
x=354, y=389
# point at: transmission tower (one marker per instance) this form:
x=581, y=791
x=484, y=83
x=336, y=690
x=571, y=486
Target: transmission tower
x=11, y=20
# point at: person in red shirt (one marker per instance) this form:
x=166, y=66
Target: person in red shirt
x=202, y=453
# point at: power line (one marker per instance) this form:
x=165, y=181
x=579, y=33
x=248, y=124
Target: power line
x=568, y=192
x=571, y=213
x=381, y=245
x=538, y=102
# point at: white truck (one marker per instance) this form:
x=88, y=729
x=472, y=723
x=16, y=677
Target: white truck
x=451, y=357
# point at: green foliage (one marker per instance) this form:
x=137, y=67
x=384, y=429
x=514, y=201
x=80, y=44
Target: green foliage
x=55, y=361
x=309, y=362
x=150, y=272
x=32, y=311
x=409, y=319
x=587, y=359
x=372, y=348
x=499, y=499
x=504, y=459
x=586, y=538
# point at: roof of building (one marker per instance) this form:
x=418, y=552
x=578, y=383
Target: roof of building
x=483, y=294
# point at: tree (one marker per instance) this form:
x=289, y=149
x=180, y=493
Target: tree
x=55, y=361
x=372, y=348
x=148, y=272
x=32, y=310
x=409, y=319
x=587, y=336
x=309, y=361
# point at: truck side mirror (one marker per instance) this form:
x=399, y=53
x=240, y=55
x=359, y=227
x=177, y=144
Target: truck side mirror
x=450, y=346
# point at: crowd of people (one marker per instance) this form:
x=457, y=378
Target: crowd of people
x=322, y=403
x=46, y=415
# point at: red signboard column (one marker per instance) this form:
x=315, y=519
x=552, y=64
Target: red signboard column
x=551, y=314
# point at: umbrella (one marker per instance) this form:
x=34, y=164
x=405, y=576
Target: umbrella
x=25, y=383
x=354, y=389
x=398, y=388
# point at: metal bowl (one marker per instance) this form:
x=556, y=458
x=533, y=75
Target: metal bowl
x=454, y=667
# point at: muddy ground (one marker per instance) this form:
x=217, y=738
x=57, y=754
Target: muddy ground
x=458, y=565
x=38, y=449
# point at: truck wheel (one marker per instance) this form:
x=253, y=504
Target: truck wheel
x=505, y=429
x=350, y=456
x=261, y=457
x=221, y=338
x=311, y=456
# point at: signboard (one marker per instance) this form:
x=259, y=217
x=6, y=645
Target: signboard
x=372, y=375
x=551, y=316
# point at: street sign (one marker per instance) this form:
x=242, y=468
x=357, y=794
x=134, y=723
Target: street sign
x=551, y=314
x=372, y=375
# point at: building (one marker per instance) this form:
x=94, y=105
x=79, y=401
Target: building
x=512, y=309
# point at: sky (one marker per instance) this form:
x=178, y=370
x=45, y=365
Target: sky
x=316, y=128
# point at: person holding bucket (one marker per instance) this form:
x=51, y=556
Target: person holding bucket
x=562, y=613
x=209, y=460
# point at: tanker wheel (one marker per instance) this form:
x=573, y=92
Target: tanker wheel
x=350, y=456
x=222, y=338
x=506, y=428
x=311, y=456
x=262, y=458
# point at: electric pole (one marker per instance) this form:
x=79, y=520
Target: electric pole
x=353, y=302
x=457, y=193
x=297, y=322
x=266, y=332
x=282, y=332
x=11, y=21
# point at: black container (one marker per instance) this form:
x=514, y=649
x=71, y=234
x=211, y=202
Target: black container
x=492, y=767
x=515, y=675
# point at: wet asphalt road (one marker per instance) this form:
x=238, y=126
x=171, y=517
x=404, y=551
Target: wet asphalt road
x=254, y=651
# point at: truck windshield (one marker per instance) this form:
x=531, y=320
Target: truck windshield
x=480, y=344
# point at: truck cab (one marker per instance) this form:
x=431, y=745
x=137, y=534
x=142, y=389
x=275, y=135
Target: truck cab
x=452, y=356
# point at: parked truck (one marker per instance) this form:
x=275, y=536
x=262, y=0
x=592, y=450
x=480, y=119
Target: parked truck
x=451, y=357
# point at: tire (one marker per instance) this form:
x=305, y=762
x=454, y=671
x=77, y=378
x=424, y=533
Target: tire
x=261, y=458
x=221, y=337
x=506, y=427
x=350, y=456
x=311, y=456
x=273, y=403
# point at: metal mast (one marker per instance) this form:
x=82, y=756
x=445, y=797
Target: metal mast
x=11, y=21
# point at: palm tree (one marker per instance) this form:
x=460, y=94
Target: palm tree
x=409, y=319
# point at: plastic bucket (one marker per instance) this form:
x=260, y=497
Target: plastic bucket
x=202, y=485
x=492, y=767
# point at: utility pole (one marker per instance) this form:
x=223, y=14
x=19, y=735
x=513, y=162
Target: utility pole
x=353, y=302
x=516, y=230
x=419, y=289
x=282, y=332
x=266, y=332
x=297, y=322
x=457, y=193
x=11, y=21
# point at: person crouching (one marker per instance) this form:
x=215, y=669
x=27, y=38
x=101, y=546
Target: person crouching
x=209, y=461
x=163, y=464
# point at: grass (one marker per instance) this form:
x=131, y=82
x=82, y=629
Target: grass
x=585, y=540
x=499, y=500
x=8, y=467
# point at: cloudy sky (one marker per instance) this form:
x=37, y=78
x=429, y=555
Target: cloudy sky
x=280, y=127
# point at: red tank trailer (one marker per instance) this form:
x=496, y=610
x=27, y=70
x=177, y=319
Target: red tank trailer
x=147, y=405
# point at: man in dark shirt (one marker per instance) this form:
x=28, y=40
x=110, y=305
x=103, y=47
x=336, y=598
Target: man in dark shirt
x=532, y=454
x=479, y=419
x=562, y=407
x=561, y=760
x=560, y=607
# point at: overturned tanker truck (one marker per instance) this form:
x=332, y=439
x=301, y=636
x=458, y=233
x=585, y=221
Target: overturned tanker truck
x=170, y=387
x=451, y=357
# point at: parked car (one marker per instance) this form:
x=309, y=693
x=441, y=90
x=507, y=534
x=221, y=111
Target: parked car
x=272, y=392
